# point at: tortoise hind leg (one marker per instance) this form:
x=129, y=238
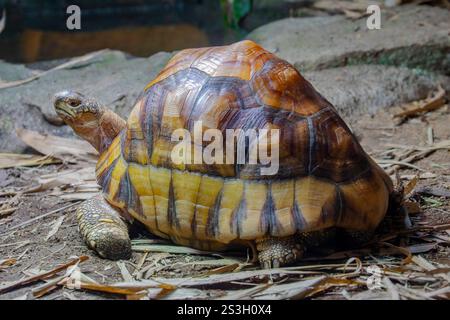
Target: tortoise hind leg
x=103, y=229
x=274, y=252
x=356, y=238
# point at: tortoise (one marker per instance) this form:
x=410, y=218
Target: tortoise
x=325, y=181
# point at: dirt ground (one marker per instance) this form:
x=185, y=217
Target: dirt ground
x=33, y=253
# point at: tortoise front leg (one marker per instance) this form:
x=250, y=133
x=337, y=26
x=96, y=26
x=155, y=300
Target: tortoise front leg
x=103, y=229
x=274, y=252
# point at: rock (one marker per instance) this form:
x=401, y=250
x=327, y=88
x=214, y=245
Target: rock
x=117, y=81
x=411, y=36
x=13, y=72
x=365, y=89
x=111, y=77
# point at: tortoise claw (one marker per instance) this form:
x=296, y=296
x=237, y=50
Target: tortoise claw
x=275, y=263
x=278, y=252
x=103, y=230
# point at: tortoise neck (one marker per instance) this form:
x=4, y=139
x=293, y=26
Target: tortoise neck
x=101, y=130
x=110, y=125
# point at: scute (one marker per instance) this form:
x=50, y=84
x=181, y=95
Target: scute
x=336, y=154
x=324, y=179
x=280, y=85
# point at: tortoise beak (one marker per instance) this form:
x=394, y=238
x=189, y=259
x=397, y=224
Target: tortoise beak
x=63, y=110
x=61, y=103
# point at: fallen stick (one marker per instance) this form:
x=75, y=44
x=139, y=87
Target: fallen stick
x=444, y=144
x=68, y=64
x=409, y=159
x=112, y=289
x=398, y=163
x=6, y=212
x=30, y=280
x=47, y=287
x=25, y=223
x=426, y=105
x=31, y=189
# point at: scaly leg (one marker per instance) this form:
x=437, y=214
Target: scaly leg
x=103, y=229
x=276, y=252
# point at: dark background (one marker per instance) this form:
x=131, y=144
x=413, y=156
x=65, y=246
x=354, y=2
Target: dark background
x=36, y=29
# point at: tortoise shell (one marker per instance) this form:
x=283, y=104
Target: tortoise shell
x=325, y=179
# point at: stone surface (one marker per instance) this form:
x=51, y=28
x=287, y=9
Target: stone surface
x=112, y=78
x=364, y=89
x=117, y=82
x=411, y=36
x=357, y=70
x=13, y=72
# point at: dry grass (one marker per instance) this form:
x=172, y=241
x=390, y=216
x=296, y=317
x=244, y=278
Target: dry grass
x=395, y=265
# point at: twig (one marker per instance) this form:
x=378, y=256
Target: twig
x=398, y=163
x=411, y=158
x=426, y=105
x=65, y=65
x=430, y=135
x=28, y=190
x=108, y=289
x=25, y=223
x=6, y=212
x=40, y=276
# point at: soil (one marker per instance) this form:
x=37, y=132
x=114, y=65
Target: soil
x=32, y=251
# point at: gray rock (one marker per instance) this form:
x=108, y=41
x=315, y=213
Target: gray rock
x=117, y=81
x=411, y=36
x=365, y=89
x=13, y=72
x=111, y=77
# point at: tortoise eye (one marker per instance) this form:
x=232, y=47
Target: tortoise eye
x=73, y=103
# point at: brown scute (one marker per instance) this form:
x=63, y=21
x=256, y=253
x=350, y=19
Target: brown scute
x=324, y=179
x=279, y=85
x=335, y=153
x=189, y=205
x=134, y=143
x=314, y=140
x=365, y=202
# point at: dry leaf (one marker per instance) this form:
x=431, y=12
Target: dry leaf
x=13, y=160
x=223, y=269
x=424, y=175
x=124, y=271
x=167, y=248
x=294, y=290
x=114, y=289
x=411, y=185
x=422, y=247
x=55, y=227
x=84, y=178
x=7, y=212
x=61, y=148
x=43, y=275
x=29, y=221
x=420, y=107
x=5, y=263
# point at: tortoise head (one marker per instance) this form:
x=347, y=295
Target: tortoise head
x=88, y=118
x=76, y=109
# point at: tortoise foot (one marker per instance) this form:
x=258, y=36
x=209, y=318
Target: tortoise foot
x=277, y=252
x=357, y=238
x=103, y=229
